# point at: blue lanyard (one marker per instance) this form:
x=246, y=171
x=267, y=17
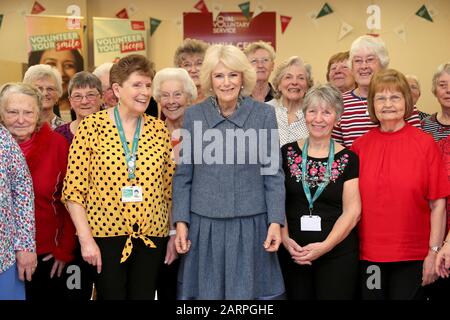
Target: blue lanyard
x=326, y=179
x=129, y=157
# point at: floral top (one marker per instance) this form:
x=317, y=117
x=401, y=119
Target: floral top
x=289, y=132
x=316, y=169
x=17, y=228
x=328, y=205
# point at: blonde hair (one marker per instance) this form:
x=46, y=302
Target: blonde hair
x=234, y=59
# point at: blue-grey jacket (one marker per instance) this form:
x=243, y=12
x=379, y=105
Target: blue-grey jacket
x=214, y=183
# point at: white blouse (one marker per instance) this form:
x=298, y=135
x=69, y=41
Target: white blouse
x=289, y=132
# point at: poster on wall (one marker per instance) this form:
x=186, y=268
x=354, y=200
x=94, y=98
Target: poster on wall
x=116, y=38
x=230, y=28
x=54, y=36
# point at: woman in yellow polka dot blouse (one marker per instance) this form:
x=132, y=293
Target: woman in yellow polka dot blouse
x=118, y=186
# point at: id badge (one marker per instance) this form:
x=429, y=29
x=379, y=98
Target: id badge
x=132, y=194
x=310, y=223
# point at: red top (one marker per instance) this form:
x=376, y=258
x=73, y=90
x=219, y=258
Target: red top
x=46, y=157
x=399, y=173
x=444, y=145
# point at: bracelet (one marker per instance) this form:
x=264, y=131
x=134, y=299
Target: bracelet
x=172, y=232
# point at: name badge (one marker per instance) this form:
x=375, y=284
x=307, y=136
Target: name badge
x=310, y=223
x=132, y=194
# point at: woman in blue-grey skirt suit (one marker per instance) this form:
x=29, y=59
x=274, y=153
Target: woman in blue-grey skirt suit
x=228, y=189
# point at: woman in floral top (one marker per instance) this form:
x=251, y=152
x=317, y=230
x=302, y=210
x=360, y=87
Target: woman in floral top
x=322, y=206
x=17, y=245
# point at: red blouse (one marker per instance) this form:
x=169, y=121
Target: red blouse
x=400, y=172
x=444, y=145
x=46, y=156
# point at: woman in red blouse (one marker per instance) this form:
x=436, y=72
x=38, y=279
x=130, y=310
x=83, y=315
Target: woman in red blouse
x=403, y=186
x=46, y=154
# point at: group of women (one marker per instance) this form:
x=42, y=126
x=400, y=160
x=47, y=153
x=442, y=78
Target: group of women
x=231, y=198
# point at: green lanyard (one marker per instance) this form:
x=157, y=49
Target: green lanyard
x=326, y=179
x=129, y=157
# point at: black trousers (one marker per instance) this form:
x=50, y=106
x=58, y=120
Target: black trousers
x=42, y=287
x=439, y=290
x=391, y=280
x=135, y=279
x=79, y=289
x=334, y=278
x=166, y=286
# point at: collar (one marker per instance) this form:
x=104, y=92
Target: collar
x=238, y=118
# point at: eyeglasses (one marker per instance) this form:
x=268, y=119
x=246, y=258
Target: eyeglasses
x=188, y=65
x=90, y=97
x=261, y=60
x=393, y=99
x=371, y=60
x=176, y=95
x=50, y=90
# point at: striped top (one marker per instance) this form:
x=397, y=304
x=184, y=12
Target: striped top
x=432, y=126
x=355, y=120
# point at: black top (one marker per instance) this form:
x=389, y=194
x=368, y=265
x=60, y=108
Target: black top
x=329, y=204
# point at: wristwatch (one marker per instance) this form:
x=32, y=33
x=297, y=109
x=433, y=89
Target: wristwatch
x=435, y=248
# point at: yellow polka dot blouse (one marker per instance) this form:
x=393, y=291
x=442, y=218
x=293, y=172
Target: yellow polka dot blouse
x=97, y=173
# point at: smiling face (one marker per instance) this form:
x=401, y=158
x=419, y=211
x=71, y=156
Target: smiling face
x=192, y=64
x=389, y=106
x=47, y=87
x=263, y=64
x=226, y=84
x=173, y=100
x=320, y=119
x=341, y=76
x=134, y=93
x=364, y=64
x=294, y=85
x=20, y=116
x=64, y=61
x=443, y=90
x=85, y=101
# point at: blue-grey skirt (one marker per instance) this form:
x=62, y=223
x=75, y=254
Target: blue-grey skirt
x=227, y=260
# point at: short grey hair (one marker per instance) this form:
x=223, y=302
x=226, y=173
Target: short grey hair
x=21, y=88
x=327, y=93
x=252, y=47
x=178, y=74
x=376, y=45
x=102, y=69
x=84, y=79
x=42, y=71
x=443, y=68
x=282, y=69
